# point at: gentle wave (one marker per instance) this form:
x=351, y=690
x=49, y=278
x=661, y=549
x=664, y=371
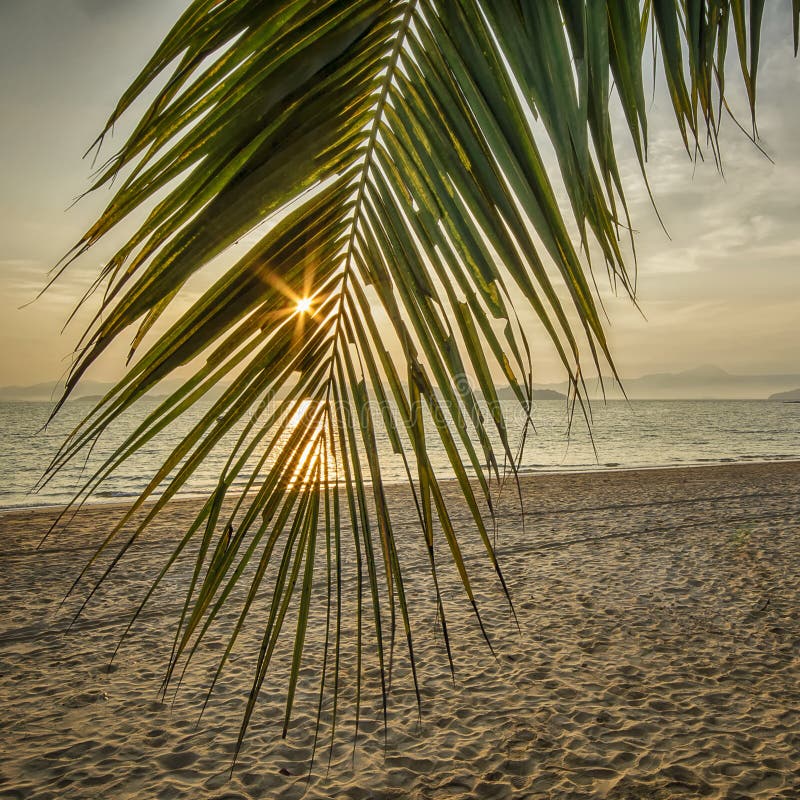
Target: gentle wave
x=640, y=434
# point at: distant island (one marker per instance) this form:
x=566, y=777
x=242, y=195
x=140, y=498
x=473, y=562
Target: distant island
x=85, y=391
x=706, y=382
x=791, y=396
x=548, y=394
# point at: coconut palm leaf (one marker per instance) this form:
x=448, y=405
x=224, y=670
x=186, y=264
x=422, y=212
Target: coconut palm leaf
x=385, y=164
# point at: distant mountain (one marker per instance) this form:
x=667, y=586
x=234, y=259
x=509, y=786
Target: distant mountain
x=50, y=392
x=507, y=393
x=85, y=391
x=548, y=394
x=706, y=382
x=705, y=372
x=794, y=394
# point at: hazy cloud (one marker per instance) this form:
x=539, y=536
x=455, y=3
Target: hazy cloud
x=724, y=288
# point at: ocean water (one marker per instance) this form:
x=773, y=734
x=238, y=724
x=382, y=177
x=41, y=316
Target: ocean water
x=624, y=435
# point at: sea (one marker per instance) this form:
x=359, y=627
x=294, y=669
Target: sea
x=623, y=434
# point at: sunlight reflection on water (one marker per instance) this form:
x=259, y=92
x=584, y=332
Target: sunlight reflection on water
x=636, y=434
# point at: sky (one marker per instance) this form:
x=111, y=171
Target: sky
x=723, y=288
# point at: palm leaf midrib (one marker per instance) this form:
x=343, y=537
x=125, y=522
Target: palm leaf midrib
x=371, y=143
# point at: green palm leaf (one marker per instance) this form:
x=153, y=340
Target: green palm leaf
x=386, y=160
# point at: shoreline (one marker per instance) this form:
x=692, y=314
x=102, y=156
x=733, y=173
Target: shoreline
x=656, y=659
x=531, y=473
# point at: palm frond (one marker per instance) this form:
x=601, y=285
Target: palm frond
x=386, y=160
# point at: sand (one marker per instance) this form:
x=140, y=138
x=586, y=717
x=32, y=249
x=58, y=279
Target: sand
x=658, y=656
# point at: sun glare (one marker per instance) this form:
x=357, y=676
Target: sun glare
x=302, y=409
x=310, y=455
x=304, y=305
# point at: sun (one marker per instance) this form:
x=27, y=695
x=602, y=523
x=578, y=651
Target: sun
x=304, y=305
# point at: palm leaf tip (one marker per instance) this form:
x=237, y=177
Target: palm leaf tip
x=374, y=154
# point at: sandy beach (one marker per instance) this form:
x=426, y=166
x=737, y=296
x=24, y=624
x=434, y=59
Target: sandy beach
x=657, y=656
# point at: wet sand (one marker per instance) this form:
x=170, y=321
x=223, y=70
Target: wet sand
x=657, y=656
